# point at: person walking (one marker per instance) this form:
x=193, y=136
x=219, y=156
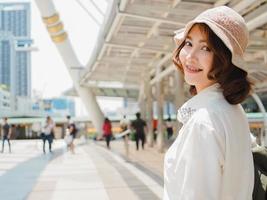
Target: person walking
x=211, y=158
x=6, y=134
x=124, y=125
x=47, y=134
x=107, y=131
x=71, y=136
x=69, y=121
x=139, y=126
x=169, y=128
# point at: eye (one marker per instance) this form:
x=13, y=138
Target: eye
x=205, y=48
x=188, y=43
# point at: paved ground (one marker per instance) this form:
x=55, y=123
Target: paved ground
x=93, y=172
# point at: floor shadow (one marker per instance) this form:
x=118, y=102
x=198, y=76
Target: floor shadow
x=18, y=182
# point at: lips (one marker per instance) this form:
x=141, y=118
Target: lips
x=192, y=69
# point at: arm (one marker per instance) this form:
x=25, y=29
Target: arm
x=203, y=160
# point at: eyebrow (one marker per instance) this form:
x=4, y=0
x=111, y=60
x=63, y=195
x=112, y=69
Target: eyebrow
x=190, y=38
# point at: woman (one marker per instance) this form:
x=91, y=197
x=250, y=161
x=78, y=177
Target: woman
x=211, y=158
x=107, y=131
x=47, y=134
x=169, y=128
x=70, y=137
x=6, y=134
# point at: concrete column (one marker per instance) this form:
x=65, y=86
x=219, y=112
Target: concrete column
x=160, y=101
x=141, y=100
x=142, y=106
x=125, y=102
x=149, y=112
x=60, y=38
x=26, y=131
x=179, y=97
x=262, y=109
x=179, y=89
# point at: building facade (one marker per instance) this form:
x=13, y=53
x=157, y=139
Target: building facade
x=59, y=107
x=15, y=42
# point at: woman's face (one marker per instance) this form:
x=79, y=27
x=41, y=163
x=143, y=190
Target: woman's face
x=196, y=58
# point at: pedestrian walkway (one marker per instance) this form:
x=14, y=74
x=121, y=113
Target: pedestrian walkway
x=93, y=172
x=148, y=160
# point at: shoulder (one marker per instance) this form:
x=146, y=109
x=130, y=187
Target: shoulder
x=206, y=127
x=215, y=108
x=208, y=118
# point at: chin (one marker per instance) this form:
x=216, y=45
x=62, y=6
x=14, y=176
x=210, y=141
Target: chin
x=190, y=81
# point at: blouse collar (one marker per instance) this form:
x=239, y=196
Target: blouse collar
x=200, y=100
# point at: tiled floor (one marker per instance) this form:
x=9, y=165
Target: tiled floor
x=93, y=172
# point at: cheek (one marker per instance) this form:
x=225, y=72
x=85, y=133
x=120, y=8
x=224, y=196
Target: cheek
x=182, y=56
x=207, y=61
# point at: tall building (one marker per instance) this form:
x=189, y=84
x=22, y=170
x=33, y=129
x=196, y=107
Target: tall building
x=15, y=43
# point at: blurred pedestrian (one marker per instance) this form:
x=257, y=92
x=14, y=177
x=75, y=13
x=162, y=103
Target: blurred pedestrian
x=107, y=131
x=155, y=129
x=124, y=125
x=169, y=127
x=139, y=126
x=6, y=134
x=70, y=136
x=47, y=133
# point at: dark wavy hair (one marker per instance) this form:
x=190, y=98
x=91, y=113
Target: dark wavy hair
x=233, y=81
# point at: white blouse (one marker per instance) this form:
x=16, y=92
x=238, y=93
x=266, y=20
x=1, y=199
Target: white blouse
x=211, y=158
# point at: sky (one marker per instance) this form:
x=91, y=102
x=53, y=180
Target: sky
x=49, y=74
x=50, y=77
x=47, y=66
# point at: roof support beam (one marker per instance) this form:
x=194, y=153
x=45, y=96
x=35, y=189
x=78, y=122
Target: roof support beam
x=163, y=74
x=257, y=18
x=88, y=13
x=221, y=3
x=135, y=47
x=175, y=3
x=161, y=62
x=256, y=67
x=151, y=18
x=255, y=56
x=123, y=4
x=243, y=4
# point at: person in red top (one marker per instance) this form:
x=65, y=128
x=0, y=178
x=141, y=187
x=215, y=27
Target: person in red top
x=107, y=131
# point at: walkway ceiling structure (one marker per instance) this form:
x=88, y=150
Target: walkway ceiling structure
x=108, y=92
x=140, y=36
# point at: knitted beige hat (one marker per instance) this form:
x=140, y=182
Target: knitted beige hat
x=228, y=25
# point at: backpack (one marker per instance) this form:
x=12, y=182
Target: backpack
x=260, y=173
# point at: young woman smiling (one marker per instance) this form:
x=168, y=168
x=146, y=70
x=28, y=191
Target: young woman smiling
x=211, y=158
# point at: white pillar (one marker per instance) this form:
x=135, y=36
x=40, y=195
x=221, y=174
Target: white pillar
x=142, y=107
x=149, y=110
x=141, y=100
x=160, y=101
x=179, y=97
x=60, y=38
x=262, y=109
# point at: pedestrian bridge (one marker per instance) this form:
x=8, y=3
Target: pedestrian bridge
x=134, y=49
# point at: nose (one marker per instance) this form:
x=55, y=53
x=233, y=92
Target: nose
x=192, y=53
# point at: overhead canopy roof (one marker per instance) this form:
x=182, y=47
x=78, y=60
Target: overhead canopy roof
x=109, y=92
x=140, y=36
